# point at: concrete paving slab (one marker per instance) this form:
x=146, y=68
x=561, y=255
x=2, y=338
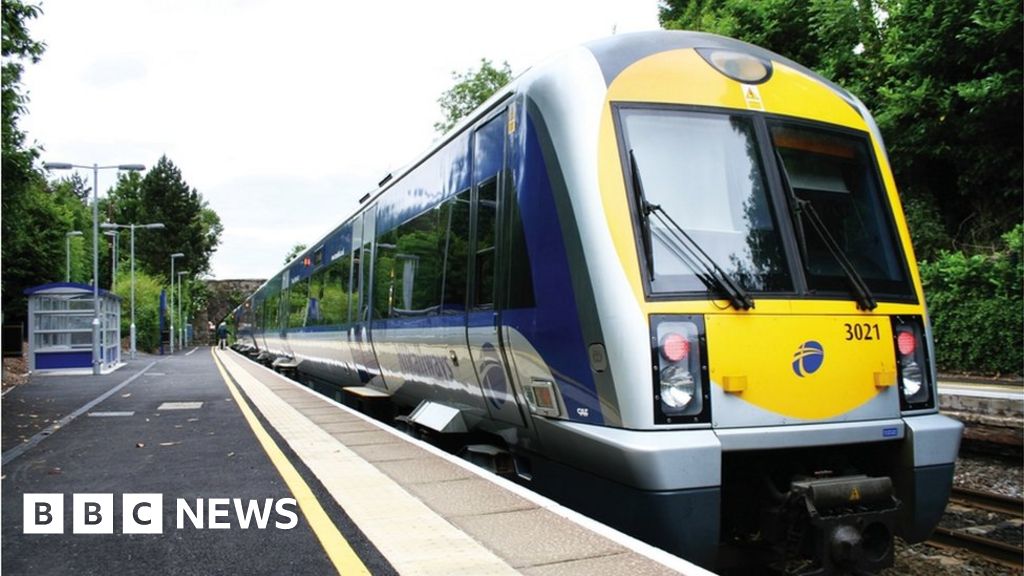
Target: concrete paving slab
x=362, y=438
x=343, y=426
x=389, y=452
x=423, y=470
x=527, y=538
x=613, y=565
x=468, y=497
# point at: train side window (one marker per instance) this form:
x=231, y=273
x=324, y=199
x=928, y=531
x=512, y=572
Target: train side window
x=314, y=315
x=369, y=232
x=272, y=309
x=298, y=295
x=486, y=229
x=455, y=215
x=409, y=261
x=520, y=277
x=488, y=158
x=333, y=293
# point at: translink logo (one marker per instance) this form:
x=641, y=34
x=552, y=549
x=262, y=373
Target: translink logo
x=143, y=513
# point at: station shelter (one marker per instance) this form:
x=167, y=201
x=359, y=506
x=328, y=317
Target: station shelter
x=60, y=319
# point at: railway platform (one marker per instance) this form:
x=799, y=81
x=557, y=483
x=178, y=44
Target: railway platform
x=256, y=474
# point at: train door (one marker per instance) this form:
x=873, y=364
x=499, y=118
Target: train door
x=483, y=334
x=361, y=305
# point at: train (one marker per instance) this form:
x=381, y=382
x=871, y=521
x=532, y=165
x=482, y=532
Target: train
x=663, y=278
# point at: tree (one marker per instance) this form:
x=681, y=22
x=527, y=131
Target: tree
x=162, y=195
x=471, y=89
x=33, y=220
x=17, y=47
x=951, y=110
x=299, y=248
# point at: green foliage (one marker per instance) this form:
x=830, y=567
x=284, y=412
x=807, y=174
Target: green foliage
x=17, y=47
x=976, y=307
x=944, y=79
x=147, y=308
x=471, y=89
x=950, y=107
x=299, y=248
x=162, y=195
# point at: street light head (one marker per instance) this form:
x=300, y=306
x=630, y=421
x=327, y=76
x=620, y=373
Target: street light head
x=74, y=233
x=131, y=167
x=111, y=233
x=153, y=226
x=57, y=165
x=177, y=255
x=109, y=226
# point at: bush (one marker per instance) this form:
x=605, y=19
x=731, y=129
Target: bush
x=147, y=308
x=976, y=309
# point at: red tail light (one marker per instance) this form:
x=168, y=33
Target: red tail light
x=906, y=342
x=675, y=347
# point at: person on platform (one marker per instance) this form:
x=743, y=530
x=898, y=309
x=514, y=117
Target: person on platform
x=222, y=335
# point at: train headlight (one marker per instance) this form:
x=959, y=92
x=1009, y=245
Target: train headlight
x=677, y=387
x=739, y=66
x=679, y=363
x=912, y=380
x=912, y=364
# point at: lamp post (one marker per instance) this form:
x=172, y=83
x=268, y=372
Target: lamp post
x=171, y=307
x=181, y=318
x=113, y=258
x=67, y=249
x=131, y=228
x=96, y=360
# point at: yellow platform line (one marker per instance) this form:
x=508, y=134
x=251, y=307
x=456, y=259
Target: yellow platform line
x=338, y=549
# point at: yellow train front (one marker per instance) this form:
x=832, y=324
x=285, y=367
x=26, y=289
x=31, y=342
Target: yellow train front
x=757, y=333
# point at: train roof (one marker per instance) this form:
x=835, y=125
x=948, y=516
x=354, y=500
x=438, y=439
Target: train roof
x=613, y=55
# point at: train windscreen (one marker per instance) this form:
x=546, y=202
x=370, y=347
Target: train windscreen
x=704, y=171
x=704, y=190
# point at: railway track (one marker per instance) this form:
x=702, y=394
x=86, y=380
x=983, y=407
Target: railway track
x=988, y=501
x=993, y=550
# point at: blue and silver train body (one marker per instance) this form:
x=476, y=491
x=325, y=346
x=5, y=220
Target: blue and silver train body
x=669, y=275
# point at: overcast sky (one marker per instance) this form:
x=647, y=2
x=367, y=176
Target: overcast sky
x=280, y=113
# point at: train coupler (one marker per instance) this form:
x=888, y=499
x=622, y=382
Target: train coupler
x=840, y=525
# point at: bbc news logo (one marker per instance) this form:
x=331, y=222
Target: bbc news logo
x=143, y=513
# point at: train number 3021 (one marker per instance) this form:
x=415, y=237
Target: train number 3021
x=862, y=331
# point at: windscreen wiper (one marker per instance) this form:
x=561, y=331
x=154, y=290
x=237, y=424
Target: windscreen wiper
x=684, y=247
x=805, y=209
x=645, y=221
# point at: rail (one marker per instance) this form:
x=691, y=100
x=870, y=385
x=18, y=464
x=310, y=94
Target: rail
x=988, y=501
x=993, y=550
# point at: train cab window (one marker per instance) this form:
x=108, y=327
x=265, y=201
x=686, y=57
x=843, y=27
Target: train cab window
x=455, y=212
x=833, y=171
x=704, y=171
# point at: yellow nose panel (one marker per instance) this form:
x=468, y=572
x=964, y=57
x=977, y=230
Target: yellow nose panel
x=807, y=367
